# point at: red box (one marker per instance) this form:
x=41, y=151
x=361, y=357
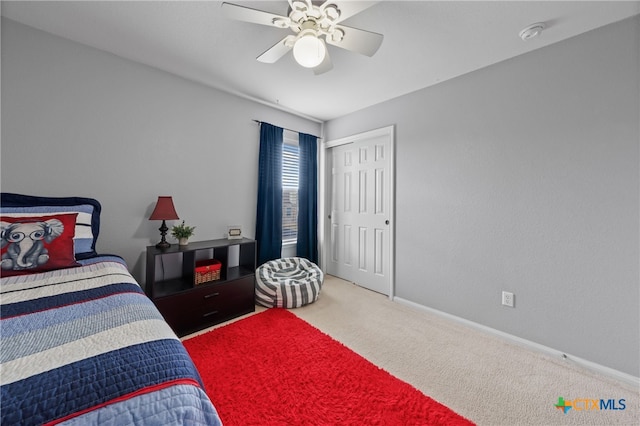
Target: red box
x=207, y=270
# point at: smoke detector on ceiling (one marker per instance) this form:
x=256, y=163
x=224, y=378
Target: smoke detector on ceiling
x=532, y=31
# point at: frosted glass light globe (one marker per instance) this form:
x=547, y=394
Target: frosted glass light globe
x=309, y=51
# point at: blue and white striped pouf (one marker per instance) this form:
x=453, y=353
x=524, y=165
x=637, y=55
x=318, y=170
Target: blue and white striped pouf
x=288, y=283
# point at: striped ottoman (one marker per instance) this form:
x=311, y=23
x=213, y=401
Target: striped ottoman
x=288, y=283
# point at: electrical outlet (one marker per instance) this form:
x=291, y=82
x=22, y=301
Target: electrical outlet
x=508, y=299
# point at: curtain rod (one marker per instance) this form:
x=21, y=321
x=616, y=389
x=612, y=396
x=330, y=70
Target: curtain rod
x=260, y=122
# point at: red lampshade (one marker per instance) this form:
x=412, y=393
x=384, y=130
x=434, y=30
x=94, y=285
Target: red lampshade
x=164, y=210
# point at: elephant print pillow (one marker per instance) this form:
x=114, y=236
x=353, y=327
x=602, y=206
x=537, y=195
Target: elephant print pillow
x=37, y=243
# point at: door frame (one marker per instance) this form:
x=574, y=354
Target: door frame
x=325, y=198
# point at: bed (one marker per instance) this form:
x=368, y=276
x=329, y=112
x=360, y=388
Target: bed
x=80, y=341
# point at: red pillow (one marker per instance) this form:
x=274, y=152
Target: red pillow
x=37, y=243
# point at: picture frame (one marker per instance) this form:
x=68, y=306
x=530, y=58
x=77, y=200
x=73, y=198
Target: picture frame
x=234, y=232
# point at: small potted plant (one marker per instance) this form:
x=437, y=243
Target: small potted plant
x=182, y=233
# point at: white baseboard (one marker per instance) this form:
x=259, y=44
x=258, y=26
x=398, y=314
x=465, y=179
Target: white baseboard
x=598, y=368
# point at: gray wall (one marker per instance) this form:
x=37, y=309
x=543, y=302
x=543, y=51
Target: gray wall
x=528, y=182
x=80, y=121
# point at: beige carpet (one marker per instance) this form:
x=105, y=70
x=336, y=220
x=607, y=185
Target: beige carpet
x=480, y=376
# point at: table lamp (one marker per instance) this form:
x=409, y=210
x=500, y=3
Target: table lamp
x=164, y=211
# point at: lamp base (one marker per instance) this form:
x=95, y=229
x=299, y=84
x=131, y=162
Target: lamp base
x=163, y=244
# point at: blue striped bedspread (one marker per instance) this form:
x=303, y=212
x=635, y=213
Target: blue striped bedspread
x=86, y=346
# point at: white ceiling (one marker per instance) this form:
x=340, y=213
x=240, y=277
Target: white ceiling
x=425, y=42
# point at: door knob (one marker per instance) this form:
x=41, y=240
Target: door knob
x=386, y=222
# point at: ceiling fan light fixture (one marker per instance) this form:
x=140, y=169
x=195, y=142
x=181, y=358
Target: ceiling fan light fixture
x=309, y=51
x=314, y=25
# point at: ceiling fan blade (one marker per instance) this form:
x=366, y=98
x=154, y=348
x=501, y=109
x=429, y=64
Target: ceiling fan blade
x=356, y=40
x=325, y=65
x=350, y=8
x=277, y=51
x=255, y=16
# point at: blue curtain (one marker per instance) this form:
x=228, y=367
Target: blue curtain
x=307, y=245
x=269, y=212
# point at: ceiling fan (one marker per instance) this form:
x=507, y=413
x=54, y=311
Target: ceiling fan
x=314, y=25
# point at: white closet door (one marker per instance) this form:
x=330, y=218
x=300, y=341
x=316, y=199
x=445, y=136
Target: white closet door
x=360, y=228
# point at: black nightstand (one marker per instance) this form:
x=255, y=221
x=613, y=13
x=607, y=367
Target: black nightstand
x=188, y=307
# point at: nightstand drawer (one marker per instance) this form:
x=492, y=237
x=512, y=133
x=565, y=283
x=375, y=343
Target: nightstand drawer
x=230, y=293
x=209, y=305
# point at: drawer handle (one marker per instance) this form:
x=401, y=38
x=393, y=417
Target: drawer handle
x=206, y=296
x=208, y=314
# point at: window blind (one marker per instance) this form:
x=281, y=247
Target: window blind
x=290, y=167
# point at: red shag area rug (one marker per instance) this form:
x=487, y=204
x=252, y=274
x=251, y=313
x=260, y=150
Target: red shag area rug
x=273, y=368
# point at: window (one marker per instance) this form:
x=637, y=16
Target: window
x=290, y=164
